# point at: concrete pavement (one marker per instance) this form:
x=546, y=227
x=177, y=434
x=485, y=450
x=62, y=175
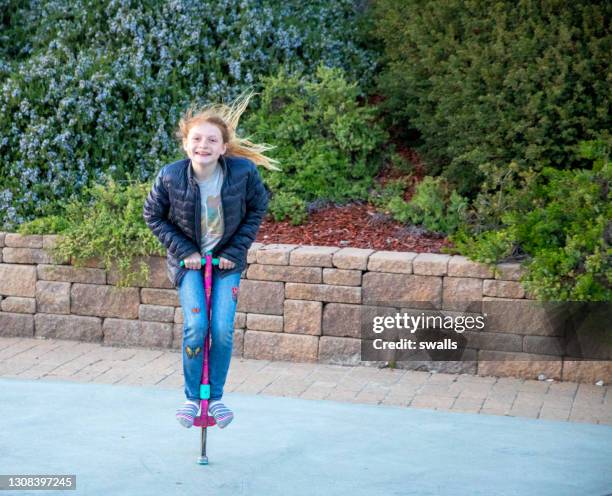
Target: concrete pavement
x=107, y=416
x=50, y=359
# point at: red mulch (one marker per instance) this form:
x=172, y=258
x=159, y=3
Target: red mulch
x=359, y=225
x=356, y=226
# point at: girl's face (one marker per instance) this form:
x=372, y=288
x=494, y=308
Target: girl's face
x=204, y=144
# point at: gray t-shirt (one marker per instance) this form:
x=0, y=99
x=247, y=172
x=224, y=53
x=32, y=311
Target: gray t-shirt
x=212, y=210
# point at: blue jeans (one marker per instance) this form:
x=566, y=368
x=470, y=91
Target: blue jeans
x=224, y=300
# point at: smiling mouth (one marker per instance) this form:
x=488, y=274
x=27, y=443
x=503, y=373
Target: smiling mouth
x=203, y=154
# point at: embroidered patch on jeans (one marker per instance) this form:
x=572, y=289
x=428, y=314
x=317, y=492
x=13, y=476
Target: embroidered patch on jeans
x=195, y=310
x=191, y=353
x=235, y=293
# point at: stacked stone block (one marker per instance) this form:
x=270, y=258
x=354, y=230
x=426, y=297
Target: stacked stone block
x=297, y=303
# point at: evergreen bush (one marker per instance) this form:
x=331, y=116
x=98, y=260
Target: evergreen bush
x=561, y=224
x=488, y=83
x=329, y=146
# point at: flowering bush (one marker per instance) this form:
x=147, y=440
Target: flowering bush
x=92, y=89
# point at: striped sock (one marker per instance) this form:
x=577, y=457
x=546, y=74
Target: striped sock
x=186, y=414
x=223, y=415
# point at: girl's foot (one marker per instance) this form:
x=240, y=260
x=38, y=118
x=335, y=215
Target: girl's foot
x=187, y=413
x=223, y=415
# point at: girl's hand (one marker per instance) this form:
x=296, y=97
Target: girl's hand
x=224, y=263
x=194, y=261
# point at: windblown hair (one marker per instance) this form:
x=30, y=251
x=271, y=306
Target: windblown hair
x=226, y=118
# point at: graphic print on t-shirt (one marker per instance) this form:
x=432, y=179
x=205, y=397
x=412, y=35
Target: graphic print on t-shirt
x=211, y=220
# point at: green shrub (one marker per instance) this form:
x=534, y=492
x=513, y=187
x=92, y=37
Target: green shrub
x=490, y=247
x=488, y=83
x=398, y=162
x=109, y=227
x=563, y=224
x=52, y=224
x=433, y=205
x=329, y=146
x=394, y=188
x=286, y=204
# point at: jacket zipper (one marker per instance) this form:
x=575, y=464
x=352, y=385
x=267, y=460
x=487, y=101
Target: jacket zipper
x=198, y=216
x=225, y=174
x=222, y=273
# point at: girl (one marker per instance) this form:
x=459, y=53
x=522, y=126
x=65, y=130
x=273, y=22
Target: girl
x=213, y=200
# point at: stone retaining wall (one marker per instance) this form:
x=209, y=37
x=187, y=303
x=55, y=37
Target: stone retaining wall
x=296, y=303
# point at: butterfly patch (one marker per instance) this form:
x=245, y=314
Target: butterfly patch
x=191, y=353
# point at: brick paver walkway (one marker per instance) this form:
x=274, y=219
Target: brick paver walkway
x=50, y=359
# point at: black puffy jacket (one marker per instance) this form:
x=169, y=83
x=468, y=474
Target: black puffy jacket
x=172, y=211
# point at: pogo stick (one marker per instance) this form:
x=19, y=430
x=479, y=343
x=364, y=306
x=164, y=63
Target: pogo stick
x=204, y=420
